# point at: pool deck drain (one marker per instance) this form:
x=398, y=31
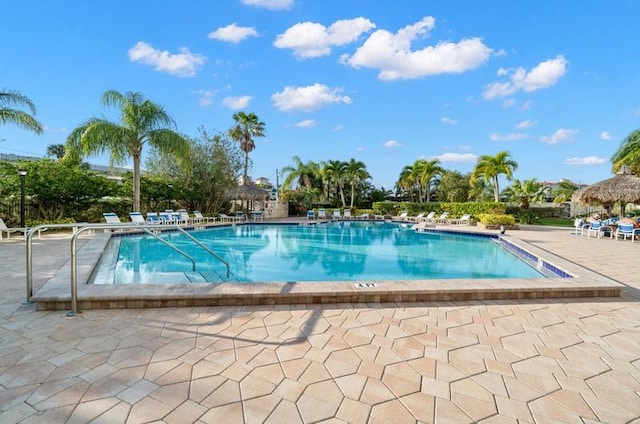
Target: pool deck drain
x=55, y=293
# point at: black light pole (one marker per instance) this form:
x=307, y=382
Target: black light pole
x=170, y=186
x=23, y=174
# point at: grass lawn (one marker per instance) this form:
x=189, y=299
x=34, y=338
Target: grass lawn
x=557, y=222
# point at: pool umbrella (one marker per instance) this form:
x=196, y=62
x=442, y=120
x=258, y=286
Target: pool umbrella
x=624, y=187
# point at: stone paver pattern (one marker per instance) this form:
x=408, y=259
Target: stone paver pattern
x=533, y=361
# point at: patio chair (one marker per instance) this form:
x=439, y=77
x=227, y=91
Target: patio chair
x=311, y=214
x=227, y=218
x=627, y=231
x=463, y=220
x=153, y=218
x=137, y=218
x=111, y=218
x=198, y=215
x=346, y=214
x=8, y=231
x=402, y=217
x=442, y=219
x=597, y=228
x=322, y=213
x=336, y=214
x=417, y=218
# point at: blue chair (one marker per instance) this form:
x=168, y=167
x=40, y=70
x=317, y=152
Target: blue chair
x=311, y=214
x=627, y=230
x=597, y=228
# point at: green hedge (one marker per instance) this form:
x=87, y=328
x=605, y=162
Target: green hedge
x=454, y=209
x=497, y=219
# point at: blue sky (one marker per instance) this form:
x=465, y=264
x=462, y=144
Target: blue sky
x=555, y=83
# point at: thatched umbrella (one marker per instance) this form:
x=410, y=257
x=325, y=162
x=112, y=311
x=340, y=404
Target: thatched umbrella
x=248, y=192
x=624, y=187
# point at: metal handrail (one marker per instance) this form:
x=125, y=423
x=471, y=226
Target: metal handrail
x=85, y=227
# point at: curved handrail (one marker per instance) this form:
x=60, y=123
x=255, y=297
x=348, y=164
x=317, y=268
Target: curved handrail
x=214, y=254
x=166, y=243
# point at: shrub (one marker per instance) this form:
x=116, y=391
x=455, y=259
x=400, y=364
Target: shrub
x=497, y=219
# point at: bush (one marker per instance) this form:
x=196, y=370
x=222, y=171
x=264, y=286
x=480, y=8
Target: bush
x=497, y=219
x=528, y=217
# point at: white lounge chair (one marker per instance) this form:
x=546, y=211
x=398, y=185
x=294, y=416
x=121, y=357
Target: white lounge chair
x=442, y=219
x=153, y=218
x=336, y=214
x=416, y=218
x=404, y=216
x=429, y=217
x=322, y=213
x=227, y=218
x=137, y=218
x=463, y=220
x=198, y=215
x=346, y=214
x=111, y=218
x=8, y=231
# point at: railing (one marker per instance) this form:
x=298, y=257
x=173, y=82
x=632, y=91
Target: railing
x=80, y=228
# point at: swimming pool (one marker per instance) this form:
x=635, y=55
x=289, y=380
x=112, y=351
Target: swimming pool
x=344, y=251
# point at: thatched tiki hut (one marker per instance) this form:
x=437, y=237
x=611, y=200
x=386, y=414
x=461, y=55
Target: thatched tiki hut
x=624, y=188
x=247, y=192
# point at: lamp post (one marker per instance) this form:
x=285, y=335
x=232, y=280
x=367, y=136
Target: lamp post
x=170, y=187
x=23, y=174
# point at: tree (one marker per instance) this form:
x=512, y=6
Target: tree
x=334, y=170
x=491, y=167
x=564, y=191
x=247, y=127
x=142, y=122
x=355, y=173
x=628, y=153
x=526, y=192
x=56, y=151
x=407, y=182
x=10, y=99
x=426, y=171
x=303, y=174
x=453, y=187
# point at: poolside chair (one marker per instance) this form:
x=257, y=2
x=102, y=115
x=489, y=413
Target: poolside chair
x=463, y=220
x=442, y=219
x=416, y=218
x=322, y=213
x=257, y=215
x=429, y=217
x=580, y=224
x=347, y=214
x=311, y=214
x=166, y=218
x=8, y=231
x=198, y=215
x=111, y=218
x=402, y=217
x=336, y=214
x=597, y=228
x=153, y=218
x=227, y=218
x=137, y=218
x=627, y=230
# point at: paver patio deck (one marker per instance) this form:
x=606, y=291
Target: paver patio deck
x=560, y=360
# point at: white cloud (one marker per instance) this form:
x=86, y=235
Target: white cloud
x=523, y=125
x=544, y=75
x=360, y=149
x=183, y=64
x=448, y=120
x=526, y=106
x=560, y=136
x=605, y=135
x=206, y=97
x=308, y=98
x=588, y=160
x=507, y=137
x=338, y=128
x=56, y=130
x=457, y=157
x=236, y=102
x=307, y=123
x=310, y=39
x=269, y=4
x=391, y=144
x=392, y=54
x=233, y=33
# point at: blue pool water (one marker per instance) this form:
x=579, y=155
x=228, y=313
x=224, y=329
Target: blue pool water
x=334, y=251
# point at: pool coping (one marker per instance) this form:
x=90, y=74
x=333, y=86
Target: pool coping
x=55, y=292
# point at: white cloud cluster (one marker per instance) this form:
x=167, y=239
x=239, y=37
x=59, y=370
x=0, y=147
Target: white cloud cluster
x=239, y=102
x=307, y=123
x=588, y=160
x=392, y=54
x=449, y=121
x=523, y=125
x=562, y=135
x=605, y=135
x=270, y=4
x=457, y=158
x=544, y=75
x=307, y=98
x=206, y=97
x=391, y=144
x=233, y=33
x=310, y=39
x=183, y=64
x=507, y=137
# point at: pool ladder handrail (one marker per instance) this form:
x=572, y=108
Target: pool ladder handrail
x=79, y=228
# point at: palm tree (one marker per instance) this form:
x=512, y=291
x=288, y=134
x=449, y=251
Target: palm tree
x=407, y=181
x=56, y=151
x=334, y=172
x=628, y=153
x=10, y=99
x=247, y=127
x=355, y=173
x=564, y=190
x=426, y=172
x=527, y=192
x=491, y=167
x=302, y=173
x=142, y=122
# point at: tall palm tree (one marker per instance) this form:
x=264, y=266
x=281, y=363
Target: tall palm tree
x=304, y=174
x=355, y=173
x=10, y=99
x=246, y=128
x=56, y=151
x=491, y=167
x=407, y=181
x=426, y=171
x=564, y=190
x=334, y=171
x=628, y=153
x=142, y=122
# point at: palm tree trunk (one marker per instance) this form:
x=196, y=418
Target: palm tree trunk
x=353, y=193
x=246, y=166
x=496, y=189
x=344, y=202
x=136, y=182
